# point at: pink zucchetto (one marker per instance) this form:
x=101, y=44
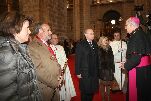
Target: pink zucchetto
x=135, y=20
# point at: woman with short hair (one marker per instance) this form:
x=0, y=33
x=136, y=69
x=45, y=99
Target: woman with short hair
x=106, y=67
x=18, y=81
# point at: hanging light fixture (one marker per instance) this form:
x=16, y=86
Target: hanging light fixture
x=98, y=1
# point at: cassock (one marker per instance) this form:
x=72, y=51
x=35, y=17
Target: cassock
x=119, y=51
x=139, y=66
x=67, y=90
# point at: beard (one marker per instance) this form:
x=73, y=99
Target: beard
x=47, y=38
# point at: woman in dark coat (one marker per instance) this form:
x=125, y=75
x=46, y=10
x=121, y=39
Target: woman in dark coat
x=106, y=67
x=18, y=81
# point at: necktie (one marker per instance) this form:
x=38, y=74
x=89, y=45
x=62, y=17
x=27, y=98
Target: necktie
x=91, y=45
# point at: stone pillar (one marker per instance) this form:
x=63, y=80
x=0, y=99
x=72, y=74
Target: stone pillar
x=86, y=14
x=44, y=8
x=76, y=19
x=127, y=11
x=30, y=8
x=61, y=17
x=3, y=6
x=12, y=5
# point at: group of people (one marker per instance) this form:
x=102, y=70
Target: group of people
x=34, y=70
x=98, y=64
x=37, y=70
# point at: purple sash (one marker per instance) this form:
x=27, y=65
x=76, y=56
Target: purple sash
x=145, y=61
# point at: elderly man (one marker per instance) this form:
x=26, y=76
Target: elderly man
x=138, y=62
x=47, y=68
x=87, y=65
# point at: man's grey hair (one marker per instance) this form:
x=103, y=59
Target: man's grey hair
x=37, y=27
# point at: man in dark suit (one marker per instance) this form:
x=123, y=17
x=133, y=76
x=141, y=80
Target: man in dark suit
x=86, y=66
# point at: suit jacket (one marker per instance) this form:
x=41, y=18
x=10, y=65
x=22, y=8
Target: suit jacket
x=87, y=65
x=47, y=69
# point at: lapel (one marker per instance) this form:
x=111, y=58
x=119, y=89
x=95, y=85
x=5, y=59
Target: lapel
x=86, y=44
x=45, y=49
x=88, y=47
x=40, y=44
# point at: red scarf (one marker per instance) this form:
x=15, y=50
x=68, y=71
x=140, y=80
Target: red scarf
x=49, y=48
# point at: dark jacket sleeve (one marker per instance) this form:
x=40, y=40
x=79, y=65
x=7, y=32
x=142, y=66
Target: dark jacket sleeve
x=138, y=46
x=112, y=59
x=78, y=56
x=132, y=62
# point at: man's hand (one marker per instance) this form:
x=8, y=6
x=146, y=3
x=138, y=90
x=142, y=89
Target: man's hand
x=60, y=79
x=79, y=76
x=121, y=50
x=122, y=65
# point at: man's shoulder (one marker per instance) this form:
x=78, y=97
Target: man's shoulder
x=124, y=42
x=94, y=42
x=36, y=46
x=112, y=43
x=35, y=43
x=59, y=46
x=82, y=42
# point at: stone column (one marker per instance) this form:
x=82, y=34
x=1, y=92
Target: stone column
x=3, y=6
x=76, y=19
x=86, y=14
x=30, y=8
x=45, y=6
x=9, y=5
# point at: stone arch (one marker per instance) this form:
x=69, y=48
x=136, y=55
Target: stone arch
x=109, y=28
x=111, y=14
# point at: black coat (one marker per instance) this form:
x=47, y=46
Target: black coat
x=87, y=65
x=18, y=81
x=106, y=64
